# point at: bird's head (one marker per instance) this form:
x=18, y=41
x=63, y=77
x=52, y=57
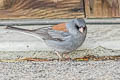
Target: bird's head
x=80, y=25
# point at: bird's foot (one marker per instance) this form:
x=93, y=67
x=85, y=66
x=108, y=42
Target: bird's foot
x=63, y=57
x=66, y=57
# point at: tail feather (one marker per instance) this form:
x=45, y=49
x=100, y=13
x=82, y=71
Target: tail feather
x=24, y=31
x=17, y=29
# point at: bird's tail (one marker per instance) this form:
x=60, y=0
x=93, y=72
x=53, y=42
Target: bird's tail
x=24, y=31
x=17, y=29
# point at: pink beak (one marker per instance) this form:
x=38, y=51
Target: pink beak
x=81, y=30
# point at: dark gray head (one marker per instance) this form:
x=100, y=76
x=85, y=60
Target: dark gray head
x=76, y=25
x=80, y=24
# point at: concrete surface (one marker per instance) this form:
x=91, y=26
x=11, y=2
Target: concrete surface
x=102, y=40
x=54, y=70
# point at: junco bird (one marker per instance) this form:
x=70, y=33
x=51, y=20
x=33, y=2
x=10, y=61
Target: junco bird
x=62, y=38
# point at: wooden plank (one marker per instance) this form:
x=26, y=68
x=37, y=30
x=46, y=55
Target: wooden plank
x=119, y=6
x=1, y=4
x=102, y=8
x=97, y=8
x=87, y=8
x=12, y=9
x=105, y=11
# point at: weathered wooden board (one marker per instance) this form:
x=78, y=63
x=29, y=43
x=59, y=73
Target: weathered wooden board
x=10, y=9
x=102, y=8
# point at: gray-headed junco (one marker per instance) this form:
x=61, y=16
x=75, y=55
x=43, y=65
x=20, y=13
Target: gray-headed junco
x=62, y=38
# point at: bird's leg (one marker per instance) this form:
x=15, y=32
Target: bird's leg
x=67, y=57
x=63, y=57
x=60, y=56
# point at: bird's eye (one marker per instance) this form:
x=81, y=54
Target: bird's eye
x=84, y=28
x=77, y=26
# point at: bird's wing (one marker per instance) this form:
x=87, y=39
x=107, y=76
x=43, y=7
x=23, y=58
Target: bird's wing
x=59, y=40
x=47, y=33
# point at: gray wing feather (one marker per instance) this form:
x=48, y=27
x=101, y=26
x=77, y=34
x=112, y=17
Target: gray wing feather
x=59, y=40
x=48, y=34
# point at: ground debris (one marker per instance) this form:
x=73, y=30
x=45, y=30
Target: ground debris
x=95, y=58
x=85, y=58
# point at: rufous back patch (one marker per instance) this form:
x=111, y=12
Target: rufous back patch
x=60, y=27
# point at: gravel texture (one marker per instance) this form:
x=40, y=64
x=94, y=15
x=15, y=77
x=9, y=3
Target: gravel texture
x=64, y=70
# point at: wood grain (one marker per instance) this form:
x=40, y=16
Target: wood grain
x=41, y=9
x=102, y=8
